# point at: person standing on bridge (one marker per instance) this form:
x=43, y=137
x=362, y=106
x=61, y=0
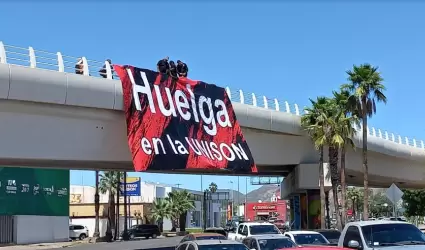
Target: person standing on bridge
x=79, y=67
x=163, y=66
x=182, y=69
x=102, y=71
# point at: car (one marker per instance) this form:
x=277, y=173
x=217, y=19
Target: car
x=307, y=238
x=218, y=230
x=211, y=245
x=266, y=242
x=388, y=234
x=331, y=235
x=78, y=232
x=203, y=236
x=253, y=228
x=144, y=230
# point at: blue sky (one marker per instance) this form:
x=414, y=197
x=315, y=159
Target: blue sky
x=293, y=50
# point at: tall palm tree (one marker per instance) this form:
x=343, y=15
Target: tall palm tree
x=212, y=187
x=107, y=184
x=366, y=84
x=311, y=122
x=346, y=116
x=160, y=210
x=96, y=233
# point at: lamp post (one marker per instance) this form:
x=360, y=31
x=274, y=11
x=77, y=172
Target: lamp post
x=233, y=198
x=246, y=193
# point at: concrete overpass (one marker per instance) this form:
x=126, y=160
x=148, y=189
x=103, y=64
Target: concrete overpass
x=51, y=117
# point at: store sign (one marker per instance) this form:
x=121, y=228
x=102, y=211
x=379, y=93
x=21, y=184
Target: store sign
x=265, y=207
x=132, y=187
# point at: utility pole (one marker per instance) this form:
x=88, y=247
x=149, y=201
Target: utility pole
x=125, y=235
x=233, y=199
x=178, y=185
x=238, y=196
x=202, y=205
x=246, y=194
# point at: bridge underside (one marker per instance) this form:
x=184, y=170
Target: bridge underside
x=63, y=136
x=281, y=171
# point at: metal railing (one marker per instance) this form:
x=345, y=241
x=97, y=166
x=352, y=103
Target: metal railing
x=63, y=63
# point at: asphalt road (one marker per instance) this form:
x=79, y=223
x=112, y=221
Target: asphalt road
x=168, y=243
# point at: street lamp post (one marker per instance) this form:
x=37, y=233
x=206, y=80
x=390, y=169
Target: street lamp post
x=233, y=198
x=246, y=193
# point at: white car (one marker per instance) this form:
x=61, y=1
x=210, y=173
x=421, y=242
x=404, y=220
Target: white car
x=78, y=232
x=306, y=237
x=247, y=229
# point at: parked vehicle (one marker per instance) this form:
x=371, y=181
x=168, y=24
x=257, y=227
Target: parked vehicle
x=368, y=235
x=268, y=242
x=218, y=230
x=211, y=245
x=253, y=228
x=203, y=236
x=307, y=238
x=78, y=232
x=145, y=230
x=279, y=224
x=331, y=235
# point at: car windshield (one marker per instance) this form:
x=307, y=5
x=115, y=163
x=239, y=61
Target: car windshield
x=223, y=247
x=392, y=234
x=211, y=237
x=331, y=235
x=310, y=239
x=263, y=229
x=271, y=244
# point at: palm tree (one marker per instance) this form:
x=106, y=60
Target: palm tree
x=96, y=233
x=311, y=122
x=160, y=210
x=366, y=84
x=346, y=116
x=212, y=187
x=180, y=202
x=355, y=195
x=107, y=184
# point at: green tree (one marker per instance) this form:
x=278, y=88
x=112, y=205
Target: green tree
x=107, y=184
x=355, y=198
x=180, y=202
x=312, y=123
x=366, y=84
x=414, y=202
x=212, y=187
x=160, y=210
x=346, y=116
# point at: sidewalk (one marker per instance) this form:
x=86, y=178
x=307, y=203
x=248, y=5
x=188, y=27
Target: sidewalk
x=42, y=245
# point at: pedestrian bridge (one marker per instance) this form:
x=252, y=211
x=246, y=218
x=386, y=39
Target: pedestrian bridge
x=51, y=117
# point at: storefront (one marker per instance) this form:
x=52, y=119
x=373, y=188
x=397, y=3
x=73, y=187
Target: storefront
x=266, y=210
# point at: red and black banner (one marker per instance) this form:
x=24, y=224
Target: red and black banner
x=178, y=123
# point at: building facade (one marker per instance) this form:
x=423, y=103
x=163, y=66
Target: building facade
x=81, y=211
x=33, y=205
x=275, y=208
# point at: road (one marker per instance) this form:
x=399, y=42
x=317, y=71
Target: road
x=168, y=243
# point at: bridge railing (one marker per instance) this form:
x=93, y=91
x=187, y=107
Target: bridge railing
x=64, y=63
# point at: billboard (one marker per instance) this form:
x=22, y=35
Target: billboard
x=133, y=186
x=31, y=191
x=178, y=123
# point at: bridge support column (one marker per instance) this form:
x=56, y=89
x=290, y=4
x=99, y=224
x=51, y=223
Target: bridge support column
x=301, y=188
